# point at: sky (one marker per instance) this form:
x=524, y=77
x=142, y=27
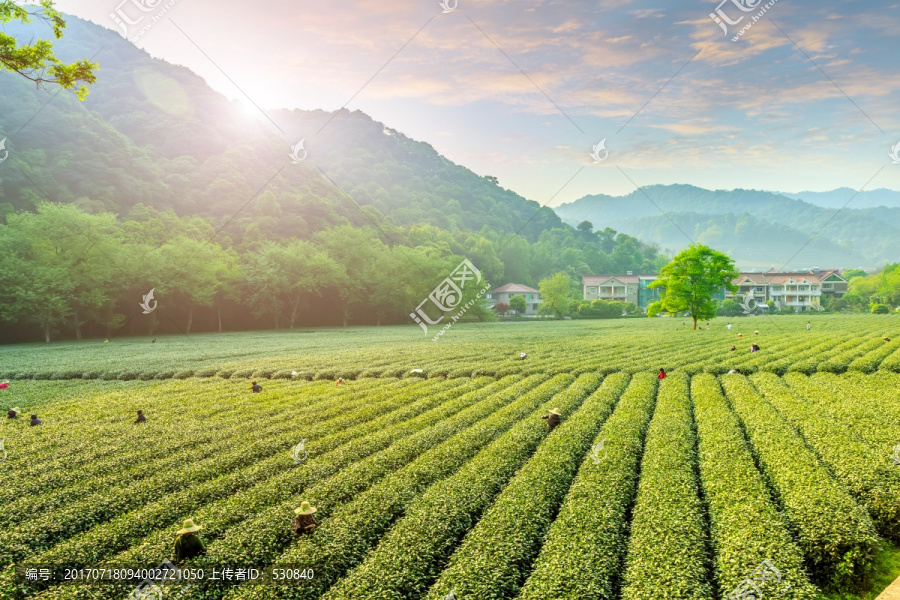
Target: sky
x=804, y=99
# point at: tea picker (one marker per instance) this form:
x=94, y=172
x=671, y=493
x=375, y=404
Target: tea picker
x=187, y=543
x=304, y=522
x=552, y=419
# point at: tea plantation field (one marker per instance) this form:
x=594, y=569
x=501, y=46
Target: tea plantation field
x=783, y=480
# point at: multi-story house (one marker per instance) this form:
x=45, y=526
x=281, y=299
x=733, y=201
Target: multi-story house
x=615, y=288
x=800, y=291
x=505, y=292
x=620, y=288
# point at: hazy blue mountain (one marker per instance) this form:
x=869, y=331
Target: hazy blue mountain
x=849, y=197
x=759, y=229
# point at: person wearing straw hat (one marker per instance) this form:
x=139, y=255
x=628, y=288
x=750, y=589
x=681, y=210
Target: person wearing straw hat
x=188, y=544
x=304, y=522
x=13, y=412
x=552, y=419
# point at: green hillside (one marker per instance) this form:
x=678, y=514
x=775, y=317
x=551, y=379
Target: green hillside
x=154, y=133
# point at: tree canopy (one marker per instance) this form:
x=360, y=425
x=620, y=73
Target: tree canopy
x=36, y=60
x=67, y=272
x=555, y=293
x=691, y=281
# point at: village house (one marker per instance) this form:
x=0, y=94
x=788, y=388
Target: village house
x=800, y=291
x=620, y=288
x=505, y=292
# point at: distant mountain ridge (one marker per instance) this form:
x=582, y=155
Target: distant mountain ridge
x=758, y=229
x=849, y=197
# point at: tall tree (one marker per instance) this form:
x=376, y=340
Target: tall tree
x=35, y=60
x=691, y=280
x=555, y=293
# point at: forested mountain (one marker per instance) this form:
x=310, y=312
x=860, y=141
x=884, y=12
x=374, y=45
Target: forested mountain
x=154, y=133
x=758, y=229
x=158, y=184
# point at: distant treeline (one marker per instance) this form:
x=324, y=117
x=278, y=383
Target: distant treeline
x=68, y=273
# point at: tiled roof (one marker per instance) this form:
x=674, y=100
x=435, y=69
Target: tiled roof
x=601, y=279
x=779, y=278
x=515, y=287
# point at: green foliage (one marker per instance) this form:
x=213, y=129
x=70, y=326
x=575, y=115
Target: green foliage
x=868, y=473
x=836, y=534
x=691, y=280
x=880, y=309
x=409, y=557
x=735, y=490
x=729, y=308
x=555, y=293
x=518, y=304
x=426, y=485
x=36, y=60
x=509, y=534
x=603, y=309
x=64, y=270
x=851, y=273
x=667, y=551
x=342, y=541
x=585, y=546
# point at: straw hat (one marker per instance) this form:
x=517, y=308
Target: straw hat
x=188, y=527
x=305, y=509
x=555, y=411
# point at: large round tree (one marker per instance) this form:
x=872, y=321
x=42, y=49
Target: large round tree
x=691, y=280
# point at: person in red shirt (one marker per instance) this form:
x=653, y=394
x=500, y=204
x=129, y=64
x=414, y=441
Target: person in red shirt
x=662, y=373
